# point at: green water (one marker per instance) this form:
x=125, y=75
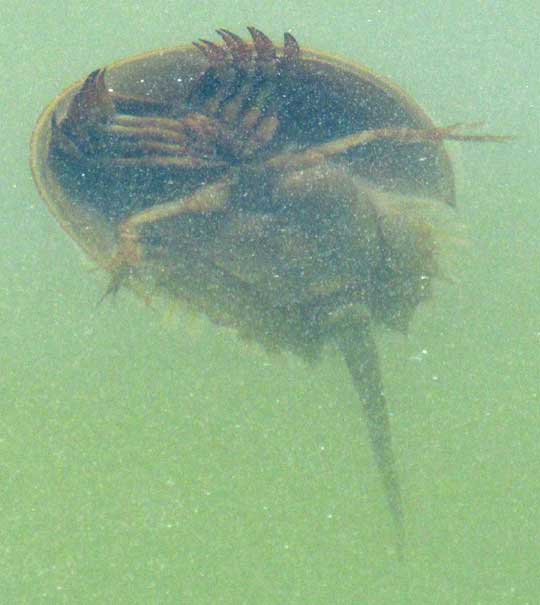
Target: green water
x=153, y=460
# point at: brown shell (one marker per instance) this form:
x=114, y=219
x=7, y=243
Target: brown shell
x=350, y=210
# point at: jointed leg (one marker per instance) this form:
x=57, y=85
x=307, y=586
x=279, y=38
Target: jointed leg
x=317, y=154
x=205, y=200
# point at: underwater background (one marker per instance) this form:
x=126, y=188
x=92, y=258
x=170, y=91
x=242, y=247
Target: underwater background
x=147, y=456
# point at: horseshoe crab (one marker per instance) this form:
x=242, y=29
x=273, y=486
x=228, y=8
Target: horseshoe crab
x=266, y=187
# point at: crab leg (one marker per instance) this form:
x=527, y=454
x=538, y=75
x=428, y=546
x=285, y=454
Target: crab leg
x=194, y=123
x=136, y=105
x=168, y=161
x=315, y=155
x=241, y=87
x=208, y=199
x=143, y=132
x=92, y=128
x=360, y=352
x=128, y=136
x=150, y=142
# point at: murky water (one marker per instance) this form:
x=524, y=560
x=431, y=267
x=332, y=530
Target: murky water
x=148, y=457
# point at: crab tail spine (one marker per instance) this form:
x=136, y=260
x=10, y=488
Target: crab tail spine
x=360, y=352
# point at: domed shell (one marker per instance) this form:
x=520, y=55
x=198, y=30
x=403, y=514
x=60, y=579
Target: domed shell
x=304, y=241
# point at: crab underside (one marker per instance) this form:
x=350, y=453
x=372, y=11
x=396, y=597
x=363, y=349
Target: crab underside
x=243, y=199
